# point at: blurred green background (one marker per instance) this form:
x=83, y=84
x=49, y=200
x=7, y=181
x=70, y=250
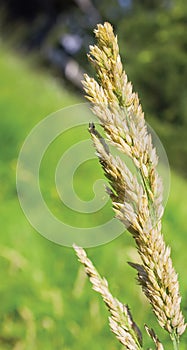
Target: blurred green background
x=46, y=300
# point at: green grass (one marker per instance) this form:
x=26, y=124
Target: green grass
x=46, y=301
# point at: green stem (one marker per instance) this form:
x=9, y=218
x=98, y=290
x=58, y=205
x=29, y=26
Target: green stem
x=175, y=342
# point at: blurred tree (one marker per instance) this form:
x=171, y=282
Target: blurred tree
x=29, y=10
x=154, y=45
x=152, y=36
x=152, y=4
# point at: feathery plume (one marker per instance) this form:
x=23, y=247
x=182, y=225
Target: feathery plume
x=137, y=204
x=120, y=320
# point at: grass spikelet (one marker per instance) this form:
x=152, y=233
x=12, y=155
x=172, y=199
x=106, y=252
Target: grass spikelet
x=120, y=320
x=137, y=203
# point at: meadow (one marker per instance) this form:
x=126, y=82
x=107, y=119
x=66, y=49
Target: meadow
x=46, y=299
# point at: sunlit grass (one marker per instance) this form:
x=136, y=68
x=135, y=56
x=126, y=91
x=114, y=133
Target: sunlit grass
x=47, y=302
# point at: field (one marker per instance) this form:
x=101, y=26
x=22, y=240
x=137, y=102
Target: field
x=46, y=300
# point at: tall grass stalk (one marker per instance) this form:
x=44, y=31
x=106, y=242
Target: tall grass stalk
x=137, y=200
